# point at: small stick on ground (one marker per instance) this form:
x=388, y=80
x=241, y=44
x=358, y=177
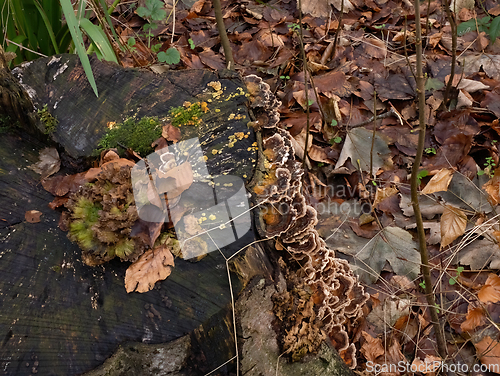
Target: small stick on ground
x=424, y=256
x=224, y=40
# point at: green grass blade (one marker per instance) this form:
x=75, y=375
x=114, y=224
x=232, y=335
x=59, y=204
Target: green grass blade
x=108, y=20
x=64, y=38
x=99, y=38
x=77, y=36
x=54, y=14
x=48, y=26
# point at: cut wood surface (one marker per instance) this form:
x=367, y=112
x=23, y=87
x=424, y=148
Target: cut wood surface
x=60, y=316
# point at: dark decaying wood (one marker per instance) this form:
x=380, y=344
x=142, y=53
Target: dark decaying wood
x=59, y=316
x=15, y=104
x=62, y=317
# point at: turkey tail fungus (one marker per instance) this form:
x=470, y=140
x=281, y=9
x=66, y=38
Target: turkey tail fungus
x=323, y=296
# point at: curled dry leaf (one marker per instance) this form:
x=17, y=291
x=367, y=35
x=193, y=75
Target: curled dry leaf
x=298, y=143
x=383, y=193
x=492, y=187
x=372, y=348
x=439, y=182
x=32, y=216
x=48, y=164
x=453, y=223
x=490, y=292
x=429, y=365
x=475, y=318
x=488, y=351
x=154, y=265
x=171, y=133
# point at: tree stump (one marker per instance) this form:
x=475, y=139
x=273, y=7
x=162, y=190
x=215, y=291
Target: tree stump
x=62, y=317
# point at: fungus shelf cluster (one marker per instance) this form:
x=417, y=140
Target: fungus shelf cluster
x=324, y=297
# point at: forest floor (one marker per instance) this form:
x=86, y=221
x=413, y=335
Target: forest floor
x=362, y=61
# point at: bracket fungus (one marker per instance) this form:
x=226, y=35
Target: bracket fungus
x=324, y=296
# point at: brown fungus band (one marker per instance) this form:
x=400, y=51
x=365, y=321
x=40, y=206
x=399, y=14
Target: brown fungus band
x=324, y=296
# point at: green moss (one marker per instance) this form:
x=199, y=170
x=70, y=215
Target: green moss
x=87, y=210
x=6, y=124
x=124, y=248
x=137, y=135
x=189, y=114
x=86, y=214
x=49, y=121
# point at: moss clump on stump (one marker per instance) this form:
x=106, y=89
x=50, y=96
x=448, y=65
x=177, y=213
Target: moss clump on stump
x=187, y=114
x=102, y=215
x=137, y=135
x=49, y=121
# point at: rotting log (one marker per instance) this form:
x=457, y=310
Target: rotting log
x=16, y=108
x=62, y=317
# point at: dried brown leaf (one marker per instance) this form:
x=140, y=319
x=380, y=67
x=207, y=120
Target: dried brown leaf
x=60, y=185
x=453, y=223
x=372, y=348
x=48, y=164
x=322, y=9
x=197, y=6
x=429, y=365
x=439, y=182
x=383, y=193
x=32, y=216
x=492, y=187
x=171, y=133
x=211, y=59
x=298, y=143
x=488, y=351
x=490, y=292
x=475, y=318
x=154, y=265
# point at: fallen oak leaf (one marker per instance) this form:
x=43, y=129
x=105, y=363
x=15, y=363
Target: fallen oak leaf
x=453, y=223
x=154, y=265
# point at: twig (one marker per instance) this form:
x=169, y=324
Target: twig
x=332, y=47
x=424, y=256
x=338, y=29
x=453, y=24
x=26, y=48
x=387, y=114
x=224, y=40
x=306, y=72
x=372, y=174
x=173, y=21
